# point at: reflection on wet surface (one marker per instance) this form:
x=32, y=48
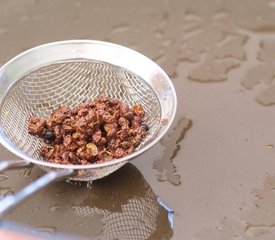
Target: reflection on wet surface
x=220, y=55
x=122, y=206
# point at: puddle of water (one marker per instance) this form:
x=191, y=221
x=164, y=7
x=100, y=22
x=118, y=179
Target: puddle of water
x=213, y=71
x=121, y=206
x=267, y=97
x=165, y=166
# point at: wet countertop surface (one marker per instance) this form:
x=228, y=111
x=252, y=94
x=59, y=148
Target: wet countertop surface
x=216, y=166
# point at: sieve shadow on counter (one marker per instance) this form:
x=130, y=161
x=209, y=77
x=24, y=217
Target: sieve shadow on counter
x=119, y=206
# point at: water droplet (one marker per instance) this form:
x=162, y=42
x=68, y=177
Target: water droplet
x=76, y=183
x=53, y=208
x=269, y=146
x=89, y=184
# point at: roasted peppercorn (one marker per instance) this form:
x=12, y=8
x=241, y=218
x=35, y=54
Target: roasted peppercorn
x=95, y=131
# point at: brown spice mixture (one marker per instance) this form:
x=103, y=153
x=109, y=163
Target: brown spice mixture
x=95, y=131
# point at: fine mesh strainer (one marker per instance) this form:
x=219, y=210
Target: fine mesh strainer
x=41, y=79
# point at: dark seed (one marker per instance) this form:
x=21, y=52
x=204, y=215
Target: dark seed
x=145, y=126
x=49, y=135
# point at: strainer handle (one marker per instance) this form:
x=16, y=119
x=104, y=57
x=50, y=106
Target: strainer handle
x=8, y=164
x=10, y=201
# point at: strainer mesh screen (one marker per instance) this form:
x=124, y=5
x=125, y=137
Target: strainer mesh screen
x=70, y=83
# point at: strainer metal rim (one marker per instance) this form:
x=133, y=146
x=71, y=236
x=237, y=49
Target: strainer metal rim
x=4, y=140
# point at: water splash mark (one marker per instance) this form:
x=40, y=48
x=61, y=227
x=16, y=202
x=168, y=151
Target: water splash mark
x=166, y=169
x=217, y=44
x=263, y=73
x=206, y=34
x=232, y=47
x=220, y=59
x=213, y=71
x=192, y=24
x=267, y=97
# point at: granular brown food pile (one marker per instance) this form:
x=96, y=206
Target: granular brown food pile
x=95, y=131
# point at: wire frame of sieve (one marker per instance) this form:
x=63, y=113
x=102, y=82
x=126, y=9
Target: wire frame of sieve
x=71, y=83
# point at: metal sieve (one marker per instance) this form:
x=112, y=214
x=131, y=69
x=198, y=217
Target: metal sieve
x=41, y=79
